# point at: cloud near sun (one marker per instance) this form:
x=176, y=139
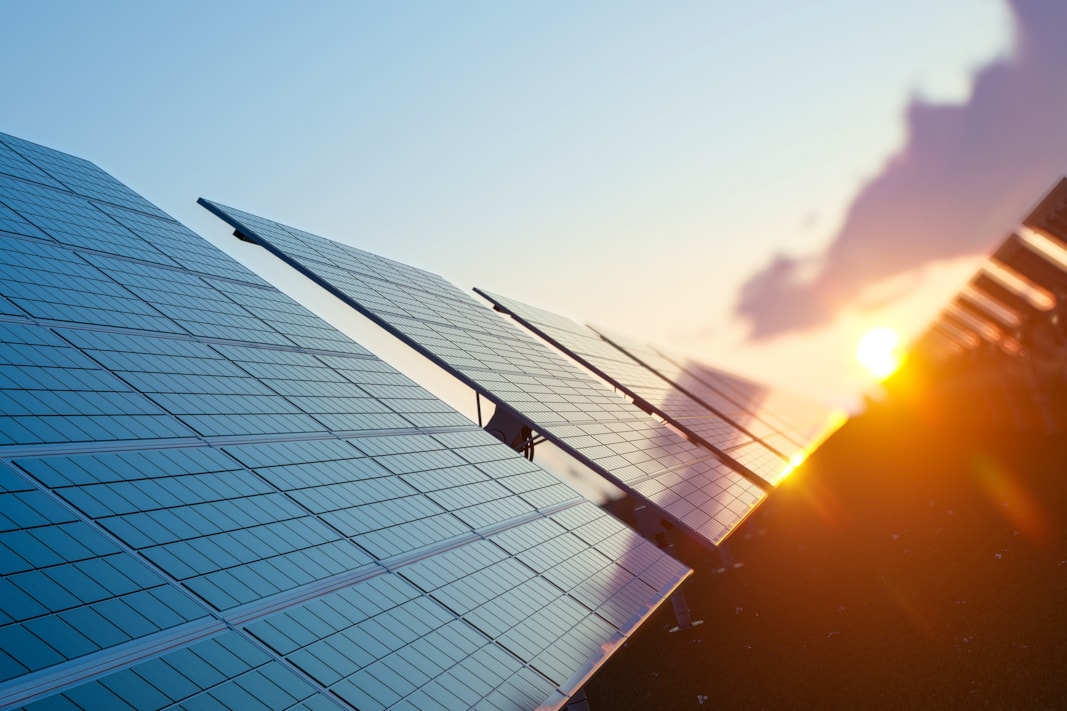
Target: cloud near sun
x=964, y=178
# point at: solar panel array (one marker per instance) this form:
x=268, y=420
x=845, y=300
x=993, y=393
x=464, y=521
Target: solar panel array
x=1001, y=340
x=566, y=404
x=211, y=498
x=711, y=426
x=1016, y=294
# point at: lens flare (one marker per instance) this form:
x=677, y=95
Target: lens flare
x=1018, y=505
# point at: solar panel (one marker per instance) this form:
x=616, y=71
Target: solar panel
x=782, y=419
x=997, y=350
x=785, y=424
x=997, y=292
x=211, y=498
x=1016, y=254
x=973, y=301
x=1016, y=296
x=711, y=427
x=521, y=375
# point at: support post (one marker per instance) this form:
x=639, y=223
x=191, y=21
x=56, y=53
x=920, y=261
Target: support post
x=506, y=426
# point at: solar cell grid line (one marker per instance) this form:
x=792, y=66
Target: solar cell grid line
x=717, y=430
x=68, y=590
x=520, y=374
x=77, y=175
x=187, y=455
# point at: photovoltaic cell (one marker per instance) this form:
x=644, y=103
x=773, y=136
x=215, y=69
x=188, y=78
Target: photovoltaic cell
x=81, y=177
x=203, y=520
x=54, y=393
x=183, y=246
x=502, y=362
x=11, y=163
x=50, y=282
x=228, y=671
x=720, y=430
x=67, y=590
x=75, y=221
x=195, y=469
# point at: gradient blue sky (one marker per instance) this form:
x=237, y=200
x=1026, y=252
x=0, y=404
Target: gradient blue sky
x=629, y=164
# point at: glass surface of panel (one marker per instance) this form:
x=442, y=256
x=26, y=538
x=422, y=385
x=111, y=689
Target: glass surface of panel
x=719, y=429
x=757, y=408
x=79, y=176
x=51, y=392
x=187, y=454
x=67, y=590
x=228, y=671
x=565, y=404
x=202, y=519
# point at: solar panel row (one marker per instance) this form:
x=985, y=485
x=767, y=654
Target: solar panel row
x=1001, y=338
x=691, y=485
x=1012, y=298
x=210, y=497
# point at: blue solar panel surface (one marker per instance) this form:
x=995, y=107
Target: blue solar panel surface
x=570, y=407
x=211, y=498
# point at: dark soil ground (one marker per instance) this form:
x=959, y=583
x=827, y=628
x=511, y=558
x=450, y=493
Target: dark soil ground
x=908, y=564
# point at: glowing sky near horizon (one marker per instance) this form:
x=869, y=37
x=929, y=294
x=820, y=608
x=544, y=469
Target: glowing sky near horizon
x=628, y=164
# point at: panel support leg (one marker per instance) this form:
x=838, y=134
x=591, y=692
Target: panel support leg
x=506, y=426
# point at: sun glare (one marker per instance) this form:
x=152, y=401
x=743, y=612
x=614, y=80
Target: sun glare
x=880, y=352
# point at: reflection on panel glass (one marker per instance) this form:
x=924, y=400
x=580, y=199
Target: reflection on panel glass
x=207, y=493
x=722, y=431
x=546, y=391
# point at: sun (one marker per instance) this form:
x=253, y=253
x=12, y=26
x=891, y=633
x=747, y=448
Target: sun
x=880, y=352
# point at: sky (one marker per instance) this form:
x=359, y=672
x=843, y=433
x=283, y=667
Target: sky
x=754, y=184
